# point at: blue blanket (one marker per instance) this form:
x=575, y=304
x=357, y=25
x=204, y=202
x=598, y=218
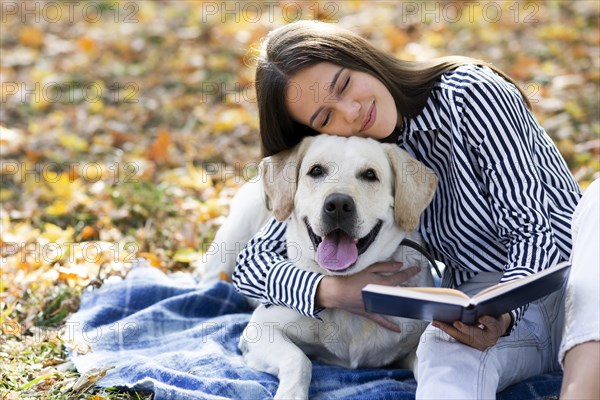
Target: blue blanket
x=164, y=335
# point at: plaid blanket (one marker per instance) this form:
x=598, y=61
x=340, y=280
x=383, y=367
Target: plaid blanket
x=164, y=334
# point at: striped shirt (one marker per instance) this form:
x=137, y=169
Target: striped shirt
x=504, y=200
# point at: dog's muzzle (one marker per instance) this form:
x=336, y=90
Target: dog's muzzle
x=339, y=249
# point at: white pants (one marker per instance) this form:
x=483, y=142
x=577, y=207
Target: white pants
x=582, y=314
x=451, y=370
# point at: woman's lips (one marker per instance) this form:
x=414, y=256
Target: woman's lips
x=370, y=118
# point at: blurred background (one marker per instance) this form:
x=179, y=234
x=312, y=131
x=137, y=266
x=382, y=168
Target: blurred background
x=127, y=126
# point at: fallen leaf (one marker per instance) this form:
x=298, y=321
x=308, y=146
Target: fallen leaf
x=73, y=142
x=86, y=43
x=159, y=149
x=224, y=277
x=31, y=36
x=186, y=255
x=87, y=232
x=152, y=258
x=90, y=378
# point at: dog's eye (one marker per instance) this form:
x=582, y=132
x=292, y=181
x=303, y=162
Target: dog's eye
x=369, y=175
x=316, y=171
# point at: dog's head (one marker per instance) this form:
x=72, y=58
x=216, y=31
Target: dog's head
x=351, y=199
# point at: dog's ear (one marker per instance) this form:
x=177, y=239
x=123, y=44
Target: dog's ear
x=414, y=187
x=280, y=179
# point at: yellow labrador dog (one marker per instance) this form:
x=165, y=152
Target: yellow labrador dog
x=349, y=202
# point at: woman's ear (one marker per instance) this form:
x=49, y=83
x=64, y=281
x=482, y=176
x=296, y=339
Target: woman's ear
x=414, y=187
x=280, y=179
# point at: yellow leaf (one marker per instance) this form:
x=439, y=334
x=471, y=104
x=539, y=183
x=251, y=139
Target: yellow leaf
x=190, y=177
x=54, y=233
x=228, y=119
x=574, y=110
x=21, y=232
x=214, y=208
x=39, y=101
x=10, y=326
x=78, y=274
x=73, y=142
x=61, y=185
x=6, y=194
x=31, y=36
x=219, y=62
x=186, y=255
x=560, y=32
x=57, y=208
x=86, y=43
x=96, y=106
x=211, y=208
x=199, y=178
x=98, y=397
x=396, y=37
x=435, y=39
x=152, y=258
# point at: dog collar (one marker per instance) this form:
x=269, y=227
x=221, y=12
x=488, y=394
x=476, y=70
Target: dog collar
x=423, y=251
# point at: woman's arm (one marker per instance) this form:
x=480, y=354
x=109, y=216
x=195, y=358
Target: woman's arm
x=345, y=292
x=512, y=152
x=263, y=272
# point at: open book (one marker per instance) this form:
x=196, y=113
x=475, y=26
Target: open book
x=449, y=305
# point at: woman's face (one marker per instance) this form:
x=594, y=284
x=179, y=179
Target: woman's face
x=340, y=101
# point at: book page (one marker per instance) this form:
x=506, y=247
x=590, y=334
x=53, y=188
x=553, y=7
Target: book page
x=500, y=288
x=441, y=295
x=439, y=291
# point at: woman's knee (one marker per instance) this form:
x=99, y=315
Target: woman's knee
x=436, y=345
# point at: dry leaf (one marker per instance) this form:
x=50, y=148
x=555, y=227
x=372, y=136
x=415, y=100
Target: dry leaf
x=89, y=378
x=159, y=149
x=152, y=258
x=86, y=43
x=31, y=36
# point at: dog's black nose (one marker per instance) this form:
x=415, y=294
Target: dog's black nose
x=339, y=207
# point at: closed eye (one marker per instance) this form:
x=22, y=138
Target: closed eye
x=345, y=85
x=342, y=89
x=326, y=120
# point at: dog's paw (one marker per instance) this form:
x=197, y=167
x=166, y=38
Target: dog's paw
x=291, y=394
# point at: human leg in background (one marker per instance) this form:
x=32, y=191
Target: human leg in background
x=580, y=349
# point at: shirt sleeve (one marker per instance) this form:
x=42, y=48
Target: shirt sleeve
x=263, y=272
x=502, y=132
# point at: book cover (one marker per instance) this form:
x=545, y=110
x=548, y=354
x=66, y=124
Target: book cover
x=449, y=305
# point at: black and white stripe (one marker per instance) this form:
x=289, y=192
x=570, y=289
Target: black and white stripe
x=503, y=204
x=263, y=272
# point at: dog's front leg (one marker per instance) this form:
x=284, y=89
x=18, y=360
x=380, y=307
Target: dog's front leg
x=266, y=347
x=287, y=362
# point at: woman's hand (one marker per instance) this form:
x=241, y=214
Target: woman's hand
x=344, y=292
x=480, y=337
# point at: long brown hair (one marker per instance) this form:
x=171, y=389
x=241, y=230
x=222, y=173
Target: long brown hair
x=302, y=44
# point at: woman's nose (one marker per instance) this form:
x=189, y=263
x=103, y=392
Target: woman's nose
x=350, y=109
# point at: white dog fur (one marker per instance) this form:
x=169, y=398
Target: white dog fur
x=387, y=187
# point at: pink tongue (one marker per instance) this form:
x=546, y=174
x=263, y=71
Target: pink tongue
x=337, y=251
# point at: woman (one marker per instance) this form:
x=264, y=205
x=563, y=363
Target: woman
x=502, y=209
